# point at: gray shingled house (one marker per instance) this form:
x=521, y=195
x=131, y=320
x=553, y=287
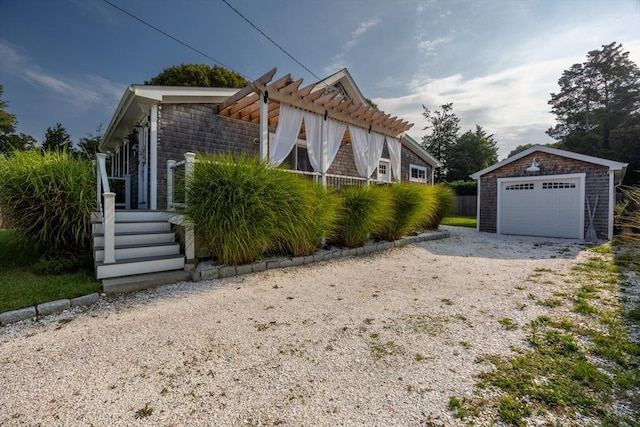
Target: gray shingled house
x=326, y=130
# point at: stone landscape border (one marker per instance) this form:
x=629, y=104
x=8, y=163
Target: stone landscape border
x=209, y=272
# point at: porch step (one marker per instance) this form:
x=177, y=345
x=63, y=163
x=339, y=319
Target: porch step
x=133, y=266
x=139, y=250
x=134, y=226
x=134, y=215
x=136, y=238
x=144, y=244
x=143, y=281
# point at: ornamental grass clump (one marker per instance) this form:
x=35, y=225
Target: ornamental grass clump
x=408, y=206
x=48, y=198
x=366, y=212
x=243, y=208
x=439, y=202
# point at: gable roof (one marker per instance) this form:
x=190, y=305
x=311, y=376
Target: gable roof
x=136, y=99
x=618, y=167
x=414, y=146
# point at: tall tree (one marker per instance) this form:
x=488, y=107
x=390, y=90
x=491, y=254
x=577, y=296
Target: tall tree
x=57, y=139
x=198, y=75
x=598, y=106
x=472, y=151
x=444, y=126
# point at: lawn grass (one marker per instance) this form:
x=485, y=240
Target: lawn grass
x=21, y=286
x=461, y=221
x=579, y=364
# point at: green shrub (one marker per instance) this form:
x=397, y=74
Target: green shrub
x=463, y=188
x=439, y=201
x=48, y=198
x=366, y=211
x=628, y=215
x=408, y=206
x=243, y=208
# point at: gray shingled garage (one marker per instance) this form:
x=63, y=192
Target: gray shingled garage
x=548, y=192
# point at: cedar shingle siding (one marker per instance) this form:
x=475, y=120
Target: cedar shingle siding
x=596, y=183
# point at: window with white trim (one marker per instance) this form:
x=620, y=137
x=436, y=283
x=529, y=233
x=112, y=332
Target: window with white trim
x=417, y=173
x=384, y=169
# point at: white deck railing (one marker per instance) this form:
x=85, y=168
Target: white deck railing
x=107, y=209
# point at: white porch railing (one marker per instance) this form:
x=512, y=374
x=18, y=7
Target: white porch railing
x=107, y=209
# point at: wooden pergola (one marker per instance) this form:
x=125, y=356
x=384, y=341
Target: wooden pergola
x=252, y=104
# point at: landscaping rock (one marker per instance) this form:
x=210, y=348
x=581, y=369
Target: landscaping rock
x=213, y=273
x=259, y=266
x=85, y=300
x=244, y=269
x=17, y=315
x=57, y=306
x=228, y=271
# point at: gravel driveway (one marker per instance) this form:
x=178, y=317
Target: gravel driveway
x=376, y=340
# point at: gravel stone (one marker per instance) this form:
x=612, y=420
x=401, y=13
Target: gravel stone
x=328, y=344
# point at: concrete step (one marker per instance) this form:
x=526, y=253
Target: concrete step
x=134, y=238
x=143, y=281
x=139, y=251
x=131, y=226
x=133, y=266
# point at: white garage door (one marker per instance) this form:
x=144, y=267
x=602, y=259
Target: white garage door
x=544, y=206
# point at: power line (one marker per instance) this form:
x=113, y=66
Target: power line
x=270, y=39
x=174, y=38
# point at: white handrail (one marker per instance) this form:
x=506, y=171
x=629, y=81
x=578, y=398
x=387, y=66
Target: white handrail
x=108, y=211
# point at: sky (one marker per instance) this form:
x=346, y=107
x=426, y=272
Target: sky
x=497, y=61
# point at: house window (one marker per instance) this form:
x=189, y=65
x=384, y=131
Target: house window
x=384, y=170
x=417, y=173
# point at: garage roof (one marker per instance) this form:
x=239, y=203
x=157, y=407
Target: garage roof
x=618, y=168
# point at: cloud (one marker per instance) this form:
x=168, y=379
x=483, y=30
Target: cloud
x=339, y=61
x=511, y=104
x=82, y=91
x=429, y=46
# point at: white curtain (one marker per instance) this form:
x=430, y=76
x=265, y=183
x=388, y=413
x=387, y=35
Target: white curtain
x=286, y=135
x=367, y=149
x=360, y=146
x=393, y=145
x=313, y=128
x=336, y=133
x=376, y=144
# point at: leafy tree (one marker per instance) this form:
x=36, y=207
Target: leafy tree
x=198, y=75
x=57, y=139
x=520, y=149
x=444, y=127
x=88, y=145
x=9, y=140
x=598, y=107
x=7, y=120
x=371, y=103
x=472, y=151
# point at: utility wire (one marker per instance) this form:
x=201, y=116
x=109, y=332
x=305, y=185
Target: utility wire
x=176, y=39
x=270, y=39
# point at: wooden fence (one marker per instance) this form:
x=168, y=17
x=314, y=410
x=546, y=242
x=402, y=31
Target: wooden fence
x=465, y=205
